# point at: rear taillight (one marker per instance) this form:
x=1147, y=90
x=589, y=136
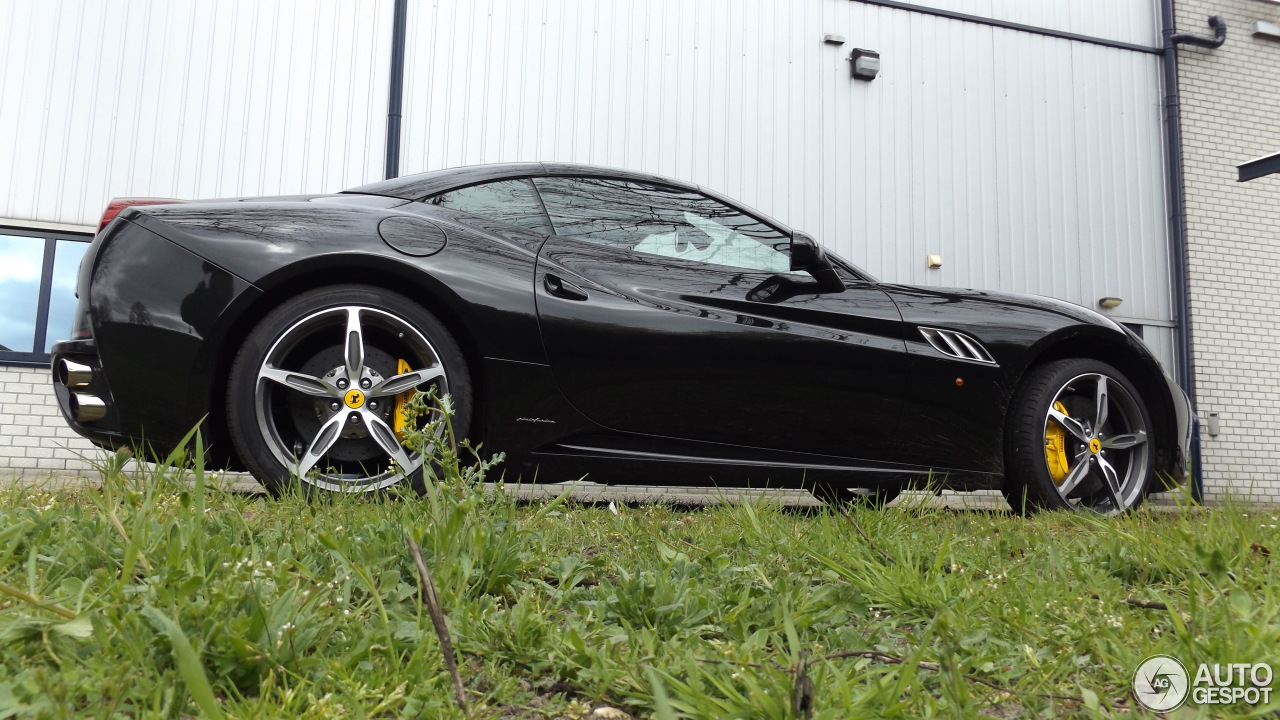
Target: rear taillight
x=119, y=204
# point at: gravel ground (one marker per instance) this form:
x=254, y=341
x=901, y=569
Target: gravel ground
x=582, y=491
x=590, y=492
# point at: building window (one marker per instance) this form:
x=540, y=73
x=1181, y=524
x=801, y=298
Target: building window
x=37, y=292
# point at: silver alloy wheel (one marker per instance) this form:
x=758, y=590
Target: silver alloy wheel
x=1106, y=447
x=352, y=401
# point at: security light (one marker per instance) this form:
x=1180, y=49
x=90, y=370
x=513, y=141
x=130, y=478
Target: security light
x=866, y=64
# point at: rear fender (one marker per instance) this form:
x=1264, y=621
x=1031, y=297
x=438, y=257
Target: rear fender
x=484, y=281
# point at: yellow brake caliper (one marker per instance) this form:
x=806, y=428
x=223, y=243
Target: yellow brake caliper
x=401, y=417
x=1055, y=447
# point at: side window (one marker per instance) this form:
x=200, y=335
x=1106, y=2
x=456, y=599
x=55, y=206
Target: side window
x=513, y=202
x=663, y=221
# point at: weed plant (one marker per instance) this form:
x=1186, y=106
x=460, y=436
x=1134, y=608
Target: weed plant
x=161, y=593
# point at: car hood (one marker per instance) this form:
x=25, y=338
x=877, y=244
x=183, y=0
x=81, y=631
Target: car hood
x=908, y=294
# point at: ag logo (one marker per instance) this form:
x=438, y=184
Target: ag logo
x=1161, y=683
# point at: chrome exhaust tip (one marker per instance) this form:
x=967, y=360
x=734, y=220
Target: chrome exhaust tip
x=73, y=374
x=87, y=408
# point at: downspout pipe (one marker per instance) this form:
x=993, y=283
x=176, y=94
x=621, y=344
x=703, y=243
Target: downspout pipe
x=1184, y=367
x=1219, y=35
x=395, y=93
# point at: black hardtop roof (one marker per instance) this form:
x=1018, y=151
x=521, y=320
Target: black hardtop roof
x=424, y=185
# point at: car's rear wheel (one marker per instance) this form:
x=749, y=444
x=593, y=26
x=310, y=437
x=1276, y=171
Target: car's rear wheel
x=876, y=497
x=317, y=391
x=1077, y=439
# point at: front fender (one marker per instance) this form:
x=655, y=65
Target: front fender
x=967, y=419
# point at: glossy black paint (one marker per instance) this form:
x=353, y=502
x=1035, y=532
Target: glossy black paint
x=589, y=359
x=413, y=236
x=152, y=329
x=1019, y=330
x=665, y=347
x=808, y=256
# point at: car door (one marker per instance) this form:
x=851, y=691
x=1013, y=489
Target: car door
x=668, y=313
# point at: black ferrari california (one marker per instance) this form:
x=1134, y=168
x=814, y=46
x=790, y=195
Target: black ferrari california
x=599, y=323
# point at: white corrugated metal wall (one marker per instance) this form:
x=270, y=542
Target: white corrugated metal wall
x=1030, y=163
x=104, y=98
x=1129, y=21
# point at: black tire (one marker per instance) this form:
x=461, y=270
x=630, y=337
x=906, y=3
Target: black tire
x=275, y=427
x=1057, y=460
x=876, y=498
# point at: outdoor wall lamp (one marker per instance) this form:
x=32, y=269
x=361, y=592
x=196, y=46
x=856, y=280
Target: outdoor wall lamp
x=866, y=64
x=1214, y=426
x=1110, y=303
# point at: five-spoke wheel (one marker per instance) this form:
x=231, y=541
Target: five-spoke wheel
x=1077, y=439
x=318, y=389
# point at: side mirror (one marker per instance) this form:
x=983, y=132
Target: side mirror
x=808, y=255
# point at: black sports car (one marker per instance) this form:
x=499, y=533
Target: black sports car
x=594, y=322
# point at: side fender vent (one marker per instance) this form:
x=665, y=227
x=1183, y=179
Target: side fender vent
x=957, y=345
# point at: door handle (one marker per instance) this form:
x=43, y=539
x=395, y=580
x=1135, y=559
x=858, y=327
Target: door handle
x=563, y=289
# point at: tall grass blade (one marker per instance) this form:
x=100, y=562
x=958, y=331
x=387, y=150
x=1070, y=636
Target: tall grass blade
x=188, y=661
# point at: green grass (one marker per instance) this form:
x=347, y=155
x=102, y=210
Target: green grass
x=163, y=595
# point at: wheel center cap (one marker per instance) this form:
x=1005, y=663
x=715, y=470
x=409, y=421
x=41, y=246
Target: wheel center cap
x=355, y=400
x=1095, y=445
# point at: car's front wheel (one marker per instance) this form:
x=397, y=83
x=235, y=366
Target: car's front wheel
x=1077, y=439
x=318, y=389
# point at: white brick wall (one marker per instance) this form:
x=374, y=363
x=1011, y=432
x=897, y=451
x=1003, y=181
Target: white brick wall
x=34, y=439
x=1231, y=113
